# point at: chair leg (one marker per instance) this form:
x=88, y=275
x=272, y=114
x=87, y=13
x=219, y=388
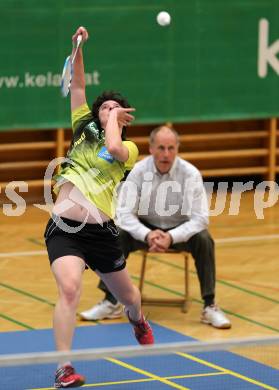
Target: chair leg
x=186, y=283
x=182, y=302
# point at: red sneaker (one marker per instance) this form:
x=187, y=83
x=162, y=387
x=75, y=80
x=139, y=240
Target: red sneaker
x=143, y=331
x=67, y=377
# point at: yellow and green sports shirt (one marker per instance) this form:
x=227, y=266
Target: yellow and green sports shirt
x=89, y=165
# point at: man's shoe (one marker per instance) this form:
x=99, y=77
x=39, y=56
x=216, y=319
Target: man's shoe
x=104, y=309
x=214, y=316
x=67, y=377
x=142, y=329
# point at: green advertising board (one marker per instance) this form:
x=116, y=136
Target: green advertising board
x=216, y=60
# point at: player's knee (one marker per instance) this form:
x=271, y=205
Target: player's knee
x=70, y=291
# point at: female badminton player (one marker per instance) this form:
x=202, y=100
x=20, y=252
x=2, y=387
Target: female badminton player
x=81, y=233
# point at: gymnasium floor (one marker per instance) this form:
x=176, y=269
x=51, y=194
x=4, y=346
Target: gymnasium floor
x=247, y=290
x=211, y=370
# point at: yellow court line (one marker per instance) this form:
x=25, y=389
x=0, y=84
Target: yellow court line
x=128, y=381
x=124, y=382
x=99, y=384
x=148, y=374
x=142, y=380
x=226, y=371
x=195, y=375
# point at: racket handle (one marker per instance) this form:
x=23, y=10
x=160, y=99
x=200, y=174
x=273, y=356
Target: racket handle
x=79, y=39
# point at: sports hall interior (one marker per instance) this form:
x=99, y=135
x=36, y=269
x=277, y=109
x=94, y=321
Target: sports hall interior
x=227, y=148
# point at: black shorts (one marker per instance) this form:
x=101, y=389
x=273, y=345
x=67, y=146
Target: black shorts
x=98, y=245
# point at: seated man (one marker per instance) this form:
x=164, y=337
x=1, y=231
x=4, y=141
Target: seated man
x=165, y=207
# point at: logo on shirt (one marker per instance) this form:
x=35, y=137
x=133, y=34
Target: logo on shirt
x=79, y=141
x=91, y=126
x=105, y=155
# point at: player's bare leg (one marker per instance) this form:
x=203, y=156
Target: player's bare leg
x=121, y=286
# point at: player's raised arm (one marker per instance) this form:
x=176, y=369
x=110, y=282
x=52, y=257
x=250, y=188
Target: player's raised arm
x=78, y=82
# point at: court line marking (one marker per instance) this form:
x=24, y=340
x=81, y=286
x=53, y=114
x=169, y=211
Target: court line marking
x=10, y=319
x=147, y=373
x=246, y=238
x=226, y=371
x=23, y=254
x=200, y=302
x=101, y=384
x=27, y=294
x=143, y=380
x=136, y=278
x=220, y=281
x=43, y=252
x=148, y=283
x=217, y=240
x=37, y=241
x=154, y=377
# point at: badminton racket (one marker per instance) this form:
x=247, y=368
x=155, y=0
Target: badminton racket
x=67, y=73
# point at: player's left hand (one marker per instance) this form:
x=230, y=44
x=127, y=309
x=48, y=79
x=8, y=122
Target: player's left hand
x=124, y=118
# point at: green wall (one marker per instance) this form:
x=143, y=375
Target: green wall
x=204, y=66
